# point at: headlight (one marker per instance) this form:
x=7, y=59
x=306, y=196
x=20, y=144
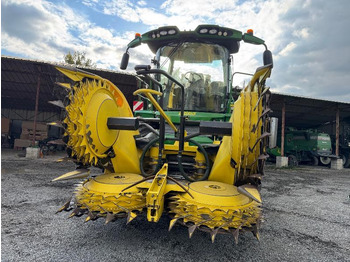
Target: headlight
x=172, y=32
x=203, y=31
x=213, y=31
x=163, y=33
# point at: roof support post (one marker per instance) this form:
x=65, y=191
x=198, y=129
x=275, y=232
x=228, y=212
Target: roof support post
x=283, y=127
x=337, y=124
x=36, y=106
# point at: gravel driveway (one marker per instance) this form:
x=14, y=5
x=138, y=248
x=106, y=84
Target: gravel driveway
x=306, y=212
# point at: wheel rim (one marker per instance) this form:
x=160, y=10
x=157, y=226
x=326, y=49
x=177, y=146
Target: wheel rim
x=325, y=160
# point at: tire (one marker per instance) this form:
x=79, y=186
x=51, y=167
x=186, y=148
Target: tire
x=45, y=150
x=292, y=160
x=325, y=160
x=314, y=160
x=347, y=162
x=343, y=158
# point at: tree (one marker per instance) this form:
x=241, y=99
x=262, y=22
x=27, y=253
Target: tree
x=79, y=59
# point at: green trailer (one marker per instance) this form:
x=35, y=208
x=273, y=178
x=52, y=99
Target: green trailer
x=305, y=146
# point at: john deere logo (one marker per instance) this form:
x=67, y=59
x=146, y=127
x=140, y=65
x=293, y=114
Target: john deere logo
x=119, y=177
x=189, y=113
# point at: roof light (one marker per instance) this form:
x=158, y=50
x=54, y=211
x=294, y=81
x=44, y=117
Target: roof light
x=137, y=35
x=250, y=31
x=213, y=31
x=203, y=31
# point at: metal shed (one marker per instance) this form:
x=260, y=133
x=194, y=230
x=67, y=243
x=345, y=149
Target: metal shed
x=28, y=85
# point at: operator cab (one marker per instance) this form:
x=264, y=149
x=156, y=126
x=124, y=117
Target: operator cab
x=199, y=61
x=202, y=68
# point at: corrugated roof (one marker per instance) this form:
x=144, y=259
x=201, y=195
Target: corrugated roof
x=304, y=112
x=19, y=81
x=311, y=98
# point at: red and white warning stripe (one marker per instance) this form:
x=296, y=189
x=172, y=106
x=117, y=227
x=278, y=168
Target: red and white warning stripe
x=137, y=105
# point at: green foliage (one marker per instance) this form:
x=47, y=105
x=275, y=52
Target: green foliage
x=79, y=59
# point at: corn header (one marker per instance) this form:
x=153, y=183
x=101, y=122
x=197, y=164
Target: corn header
x=193, y=152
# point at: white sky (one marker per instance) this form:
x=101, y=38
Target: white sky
x=308, y=38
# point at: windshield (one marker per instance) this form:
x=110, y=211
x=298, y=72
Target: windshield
x=202, y=69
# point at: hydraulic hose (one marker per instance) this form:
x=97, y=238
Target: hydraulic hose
x=181, y=169
x=179, y=159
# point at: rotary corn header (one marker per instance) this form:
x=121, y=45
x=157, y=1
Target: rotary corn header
x=193, y=152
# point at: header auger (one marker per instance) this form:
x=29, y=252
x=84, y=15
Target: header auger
x=193, y=152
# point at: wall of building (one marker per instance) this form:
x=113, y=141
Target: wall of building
x=28, y=115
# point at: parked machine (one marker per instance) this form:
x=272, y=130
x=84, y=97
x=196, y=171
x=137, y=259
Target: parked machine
x=305, y=146
x=193, y=153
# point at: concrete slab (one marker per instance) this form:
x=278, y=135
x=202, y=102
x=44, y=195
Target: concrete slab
x=281, y=161
x=337, y=164
x=32, y=152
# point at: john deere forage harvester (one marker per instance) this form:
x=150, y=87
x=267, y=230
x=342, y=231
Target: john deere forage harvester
x=193, y=153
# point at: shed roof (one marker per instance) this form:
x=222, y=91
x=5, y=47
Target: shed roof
x=20, y=78
x=306, y=112
x=19, y=81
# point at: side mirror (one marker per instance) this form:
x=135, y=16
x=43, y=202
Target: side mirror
x=267, y=57
x=125, y=61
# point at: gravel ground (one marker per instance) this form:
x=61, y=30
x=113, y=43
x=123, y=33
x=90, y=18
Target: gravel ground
x=306, y=212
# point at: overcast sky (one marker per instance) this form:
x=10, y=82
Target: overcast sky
x=308, y=38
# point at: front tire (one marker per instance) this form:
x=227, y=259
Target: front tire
x=325, y=160
x=292, y=160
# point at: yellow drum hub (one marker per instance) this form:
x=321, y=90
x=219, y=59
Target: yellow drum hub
x=215, y=205
x=101, y=106
x=91, y=104
x=104, y=194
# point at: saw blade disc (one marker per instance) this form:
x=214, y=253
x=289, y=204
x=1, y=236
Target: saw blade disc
x=103, y=195
x=215, y=205
x=92, y=102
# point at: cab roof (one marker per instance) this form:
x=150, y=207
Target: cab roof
x=223, y=36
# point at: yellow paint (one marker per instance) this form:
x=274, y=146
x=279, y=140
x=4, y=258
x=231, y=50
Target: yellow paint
x=155, y=195
x=149, y=93
x=125, y=149
x=73, y=175
x=212, y=203
x=65, y=85
x=216, y=203
x=92, y=103
x=77, y=75
x=189, y=113
x=171, y=97
x=105, y=193
x=234, y=161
